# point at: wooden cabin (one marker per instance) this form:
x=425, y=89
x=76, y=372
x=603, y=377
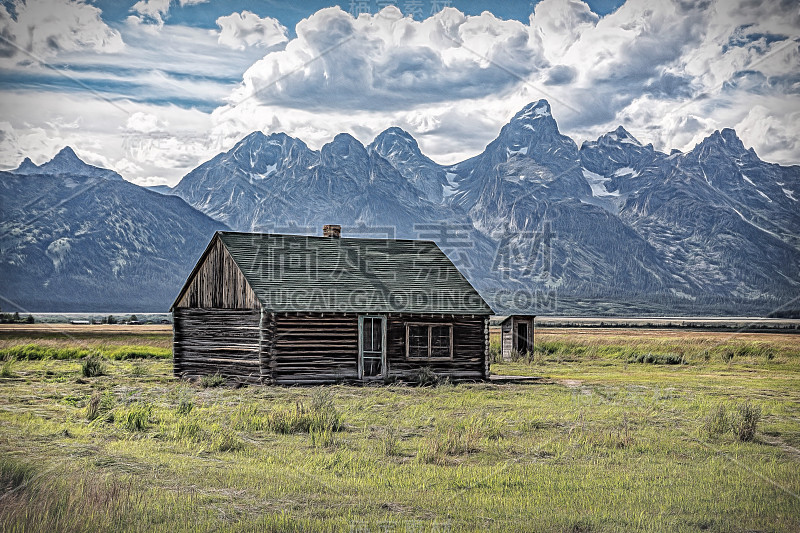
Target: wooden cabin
x=516, y=334
x=291, y=309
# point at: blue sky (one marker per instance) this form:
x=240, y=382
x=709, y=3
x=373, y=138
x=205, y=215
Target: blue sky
x=204, y=15
x=152, y=88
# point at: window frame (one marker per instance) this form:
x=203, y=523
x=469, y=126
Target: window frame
x=430, y=326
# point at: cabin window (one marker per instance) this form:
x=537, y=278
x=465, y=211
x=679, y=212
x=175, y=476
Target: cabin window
x=429, y=341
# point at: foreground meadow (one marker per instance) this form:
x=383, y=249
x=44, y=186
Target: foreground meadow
x=627, y=430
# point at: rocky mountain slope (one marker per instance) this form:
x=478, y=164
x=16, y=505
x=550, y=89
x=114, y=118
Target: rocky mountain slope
x=614, y=223
x=78, y=238
x=535, y=222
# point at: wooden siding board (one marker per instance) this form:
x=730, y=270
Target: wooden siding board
x=218, y=282
x=318, y=348
x=224, y=341
x=469, y=347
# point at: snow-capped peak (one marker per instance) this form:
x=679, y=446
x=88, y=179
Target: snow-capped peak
x=533, y=111
x=621, y=135
x=65, y=162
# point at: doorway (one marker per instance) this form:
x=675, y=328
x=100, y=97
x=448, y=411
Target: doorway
x=371, y=347
x=522, y=338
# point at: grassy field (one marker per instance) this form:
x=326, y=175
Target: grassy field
x=628, y=430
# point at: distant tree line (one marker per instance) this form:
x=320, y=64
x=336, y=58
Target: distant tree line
x=9, y=318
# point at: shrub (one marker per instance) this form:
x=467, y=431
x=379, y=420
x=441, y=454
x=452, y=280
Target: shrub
x=745, y=421
x=741, y=421
x=453, y=440
x=35, y=352
x=92, y=367
x=122, y=353
x=430, y=451
x=215, y=380
x=323, y=412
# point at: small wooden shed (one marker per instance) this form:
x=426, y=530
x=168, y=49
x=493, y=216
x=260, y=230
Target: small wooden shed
x=516, y=334
x=291, y=309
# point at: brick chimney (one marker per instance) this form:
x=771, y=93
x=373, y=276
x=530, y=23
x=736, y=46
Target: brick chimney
x=332, y=230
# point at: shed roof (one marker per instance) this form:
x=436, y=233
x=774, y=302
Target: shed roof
x=326, y=274
x=502, y=319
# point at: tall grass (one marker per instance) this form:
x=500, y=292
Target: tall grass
x=585, y=450
x=92, y=367
x=741, y=421
x=135, y=417
x=7, y=370
x=36, y=352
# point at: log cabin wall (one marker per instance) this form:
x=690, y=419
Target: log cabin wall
x=470, y=347
x=218, y=283
x=210, y=341
x=313, y=348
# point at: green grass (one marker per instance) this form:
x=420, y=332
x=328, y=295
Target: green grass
x=600, y=444
x=35, y=352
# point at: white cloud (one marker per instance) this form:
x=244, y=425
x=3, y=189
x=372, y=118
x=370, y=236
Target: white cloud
x=141, y=122
x=44, y=29
x=153, y=11
x=240, y=30
x=137, y=140
x=672, y=72
x=386, y=60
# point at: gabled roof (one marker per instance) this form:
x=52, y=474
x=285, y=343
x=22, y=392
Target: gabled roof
x=324, y=274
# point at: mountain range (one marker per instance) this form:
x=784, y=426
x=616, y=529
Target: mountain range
x=535, y=222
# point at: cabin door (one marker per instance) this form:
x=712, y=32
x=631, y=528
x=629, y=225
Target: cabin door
x=522, y=337
x=371, y=347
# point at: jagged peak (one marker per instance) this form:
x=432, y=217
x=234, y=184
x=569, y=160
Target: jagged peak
x=250, y=138
x=66, y=154
x=26, y=165
x=345, y=139
x=726, y=140
x=342, y=145
x=395, y=131
x=391, y=137
x=620, y=135
x=533, y=111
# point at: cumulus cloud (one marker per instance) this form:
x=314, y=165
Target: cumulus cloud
x=152, y=11
x=138, y=140
x=240, y=30
x=383, y=60
x=141, y=122
x=670, y=71
x=155, y=11
x=40, y=30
